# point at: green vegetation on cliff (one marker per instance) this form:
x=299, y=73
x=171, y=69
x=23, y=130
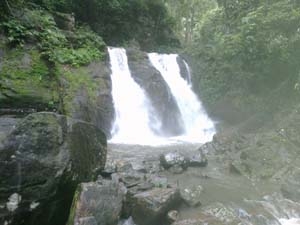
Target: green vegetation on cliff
x=34, y=45
x=248, y=51
x=117, y=21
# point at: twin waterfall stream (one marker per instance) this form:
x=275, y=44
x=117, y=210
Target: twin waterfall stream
x=137, y=125
x=136, y=122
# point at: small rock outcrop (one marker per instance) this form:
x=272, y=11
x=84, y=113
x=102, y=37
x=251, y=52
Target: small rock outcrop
x=41, y=162
x=173, y=159
x=87, y=95
x=177, y=162
x=192, y=196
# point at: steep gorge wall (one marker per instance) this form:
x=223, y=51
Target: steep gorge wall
x=44, y=155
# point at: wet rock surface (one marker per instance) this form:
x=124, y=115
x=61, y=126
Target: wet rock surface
x=98, y=203
x=217, y=191
x=151, y=207
x=81, y=103
x=41, y=162
x=192, y=196
x=177, y=162
x=173, y=159
x=164, y=104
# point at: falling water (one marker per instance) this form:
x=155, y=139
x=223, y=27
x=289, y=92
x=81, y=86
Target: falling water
x=133, y=111
x=198, y=127
x=189, y=76
x=135, y=121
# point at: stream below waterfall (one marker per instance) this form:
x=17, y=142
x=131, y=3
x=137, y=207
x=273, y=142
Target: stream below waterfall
x=231, y=198
x=139, y=138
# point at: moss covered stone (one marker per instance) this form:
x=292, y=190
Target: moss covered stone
x=26, y=81
x=87, y=94
x=43, y=160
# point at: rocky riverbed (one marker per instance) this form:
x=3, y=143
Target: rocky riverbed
x=214, y=191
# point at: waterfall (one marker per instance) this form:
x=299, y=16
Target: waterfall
x=189, y=77
x=198, y=127
x=132, y=109
x=135, y=118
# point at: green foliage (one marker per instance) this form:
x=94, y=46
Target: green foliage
x=119, y=21
x=37, y=26
x=189, y=15
x=247, y=48
x=76, y=57
x=10, y=8
x=16, y=32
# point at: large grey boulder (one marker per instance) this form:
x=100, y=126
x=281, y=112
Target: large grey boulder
x=151, y=207
x=97, y=203
x=41, y=162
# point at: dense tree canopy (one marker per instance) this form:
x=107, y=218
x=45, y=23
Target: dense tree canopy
x=117, y=21
x=189, y=15
x=248, y=48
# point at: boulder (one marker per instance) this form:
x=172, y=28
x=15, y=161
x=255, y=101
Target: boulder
x=172, y=216
x=100, y=202
x=191, y=196
x=291, y=185
x=137, y=183
x=129, y=221
x=197, y=160
x=162, y=100
x=173, y=159
x=151, y=207
x=41, y=162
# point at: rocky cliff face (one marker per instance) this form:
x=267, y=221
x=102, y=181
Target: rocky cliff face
x=157, y=90
x=87, y=94
x=42, y=161
x=30, y=84
x=54, y=122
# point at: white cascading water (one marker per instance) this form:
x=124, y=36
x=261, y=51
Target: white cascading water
x=198, y=126
x=133, y=119
x=189, y=77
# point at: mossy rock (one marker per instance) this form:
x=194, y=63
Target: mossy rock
x=87, y=94
x=42, y=160
x=27, y=81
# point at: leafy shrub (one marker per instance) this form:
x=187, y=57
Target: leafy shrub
x=75, y=48
x=249, y=47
